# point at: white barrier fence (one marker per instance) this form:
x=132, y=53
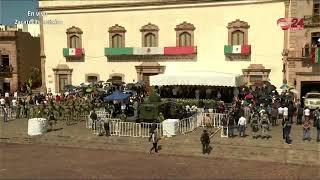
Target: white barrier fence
x=211, y=119
x=132, y=129
x=120, y=128
x=188, y=124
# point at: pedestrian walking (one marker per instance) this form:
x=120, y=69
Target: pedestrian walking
x=287, y=130
x=306, y=113
x=242, y=126
x=52, y=121
x=5, y=113
x=205, y=141
x=306, y=129
x=280, y=112
x=231, y=124
x=286, y=112
x=317, y=123
x=94, y=118
x=106, y=125
x=299, y=114
x=274, y=115
x=291, y=111
x=155, y=140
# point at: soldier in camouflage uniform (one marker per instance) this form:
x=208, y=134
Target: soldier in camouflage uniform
x=265, y=124
x=30, y=112
x=67, y=115
x=255, y=126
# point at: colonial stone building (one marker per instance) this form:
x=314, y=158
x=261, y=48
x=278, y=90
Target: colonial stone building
x=133, y=40
x=19, y=56
x=298, y=67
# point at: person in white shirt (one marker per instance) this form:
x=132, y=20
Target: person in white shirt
x=285, y=112
x=280, y=112
x=6, y=94
x=242, y=126
x=2, y=101
x=14, y=103
x=306, y=113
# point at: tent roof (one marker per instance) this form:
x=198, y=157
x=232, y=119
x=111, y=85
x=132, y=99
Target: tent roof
x=204, y=78
x=117, y=95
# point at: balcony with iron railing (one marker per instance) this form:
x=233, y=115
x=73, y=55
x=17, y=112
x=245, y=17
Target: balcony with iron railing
x=6, y=70
x=308, y=55
x=312, y=21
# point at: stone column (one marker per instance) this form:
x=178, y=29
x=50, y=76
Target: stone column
x=42, y=57
x=298, y=88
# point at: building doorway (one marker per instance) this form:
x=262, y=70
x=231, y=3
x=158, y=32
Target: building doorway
x=308, y=86
x=147, y=69
x=62, y=76
x=63, y=81
x=146, y=80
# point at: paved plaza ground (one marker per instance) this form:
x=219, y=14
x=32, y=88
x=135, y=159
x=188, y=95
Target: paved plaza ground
x=46, y=161
x=272, y=150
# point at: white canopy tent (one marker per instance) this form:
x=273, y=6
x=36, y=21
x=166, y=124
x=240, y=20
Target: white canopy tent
x=203, y=78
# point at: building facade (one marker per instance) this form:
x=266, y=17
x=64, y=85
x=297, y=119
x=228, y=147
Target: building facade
x=33, y=29
x=298, y=67
x=131, y=41
x=19, y=56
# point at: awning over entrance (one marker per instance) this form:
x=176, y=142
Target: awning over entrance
x=203, y=78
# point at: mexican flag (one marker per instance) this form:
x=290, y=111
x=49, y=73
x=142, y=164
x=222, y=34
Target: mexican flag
x=148, y=51
x=73, y=51
x=237, y=49
x=315, y=55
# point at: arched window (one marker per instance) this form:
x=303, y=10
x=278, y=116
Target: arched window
x=185, y=39
x=238, y=32
x=74, y=41
x=117, y=36
x=150, y=35
x=184, y=34
x=150, y=40
x=74, y=37
x=237, y=37
x=116, y=41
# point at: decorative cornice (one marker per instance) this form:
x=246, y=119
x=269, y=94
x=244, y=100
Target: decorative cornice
x=185, y=26
x=74, y=30
x=117, y=29
x=238, y=24
x=149, y=27
x=143, y=4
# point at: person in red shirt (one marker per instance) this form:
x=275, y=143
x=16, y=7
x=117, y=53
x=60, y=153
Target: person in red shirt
x=58, y=99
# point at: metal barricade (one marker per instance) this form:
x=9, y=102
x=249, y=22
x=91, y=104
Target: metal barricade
x=188, y=124
x=212, y=119
x=114, y=127
x=145, y=129
x=129, y=129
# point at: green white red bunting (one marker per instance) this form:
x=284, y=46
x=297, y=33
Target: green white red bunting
x=73, y=51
